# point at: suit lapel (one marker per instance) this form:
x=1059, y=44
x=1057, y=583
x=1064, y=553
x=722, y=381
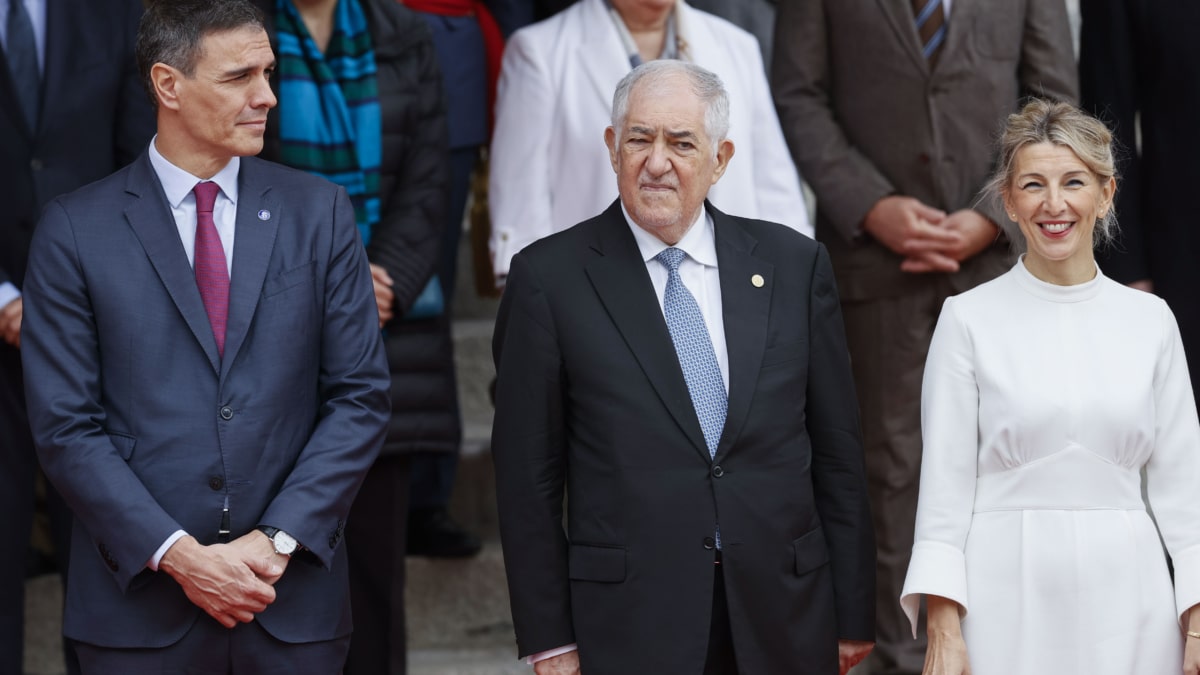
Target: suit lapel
x=600, y=51
x=150, y=217
x=746, y=309
x=899, y=14
x=63, y=37
x=619, y=276
x=252, y=246
x=958, y=26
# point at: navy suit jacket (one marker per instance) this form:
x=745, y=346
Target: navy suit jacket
x=146, y=430
x=95, y=117
x=591, y=401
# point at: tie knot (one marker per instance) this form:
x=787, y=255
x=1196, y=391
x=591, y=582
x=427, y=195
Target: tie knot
x=206, y=196
x=671, y=258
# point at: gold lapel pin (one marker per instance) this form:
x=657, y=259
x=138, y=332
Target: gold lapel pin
x=758, y=281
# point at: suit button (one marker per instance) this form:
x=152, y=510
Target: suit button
x=709, y=543
x=216, y=483
x=226, y=412
x=923, y=157
x=717, y=471
x=36, y=164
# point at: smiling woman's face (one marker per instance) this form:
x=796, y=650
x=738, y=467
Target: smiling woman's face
x=1056, y=199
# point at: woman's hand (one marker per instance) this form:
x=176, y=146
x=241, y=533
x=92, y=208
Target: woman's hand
x=1191, y=645
x=947, y=651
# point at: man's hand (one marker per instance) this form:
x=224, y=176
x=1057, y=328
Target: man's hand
x=255, y=545
x=1146, y=285
x=219, y=580
x=851, y=653
x=563, y=664
x=10, y=322
x=385, y=296
x=973, y=233
x=908, y=227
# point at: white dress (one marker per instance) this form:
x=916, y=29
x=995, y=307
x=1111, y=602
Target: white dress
x=1040, y=406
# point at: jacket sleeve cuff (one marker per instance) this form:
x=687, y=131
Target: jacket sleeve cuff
x=1187, y=578
x=935, y=569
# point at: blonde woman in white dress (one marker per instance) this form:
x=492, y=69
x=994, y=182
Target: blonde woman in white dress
x=1046, y=393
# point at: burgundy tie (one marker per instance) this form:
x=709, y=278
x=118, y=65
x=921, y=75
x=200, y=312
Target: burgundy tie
x=212, y=276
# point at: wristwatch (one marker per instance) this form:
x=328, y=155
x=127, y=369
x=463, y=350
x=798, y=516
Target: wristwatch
x=285, y=544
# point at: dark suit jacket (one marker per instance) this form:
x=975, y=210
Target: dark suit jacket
x=866, y=117
x=1141, y=59
x=590, y=398
x=95, y=117
x=145, y=430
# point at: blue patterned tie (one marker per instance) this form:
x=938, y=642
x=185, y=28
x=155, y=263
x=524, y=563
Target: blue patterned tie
x=695, y=351
x=21, y=54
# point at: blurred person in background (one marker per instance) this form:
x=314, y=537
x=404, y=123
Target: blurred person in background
x=547, y=170
x=360, y=103
x=72, y=110
x=889, y=109
x=756, y=16
x=1139, y=66
x=468, y=36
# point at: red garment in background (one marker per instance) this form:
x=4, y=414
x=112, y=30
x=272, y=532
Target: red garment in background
x=493, y=39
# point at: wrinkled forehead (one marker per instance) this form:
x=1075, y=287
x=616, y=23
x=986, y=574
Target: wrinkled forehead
x=244, y=47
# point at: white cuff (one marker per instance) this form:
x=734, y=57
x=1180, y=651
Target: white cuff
x=1187, y=578
x=936, y=568
x=550, y=653
x=8, y=293
x=152, y=564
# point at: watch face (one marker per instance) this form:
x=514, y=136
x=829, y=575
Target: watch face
x=285, y=544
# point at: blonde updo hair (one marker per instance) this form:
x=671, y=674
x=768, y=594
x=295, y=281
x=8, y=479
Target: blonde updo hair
x=1062, y=124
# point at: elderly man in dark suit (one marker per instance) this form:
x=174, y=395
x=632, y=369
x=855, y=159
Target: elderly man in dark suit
x=682, y=375
x=206, y=381
x=72, y=111
x=890, y=108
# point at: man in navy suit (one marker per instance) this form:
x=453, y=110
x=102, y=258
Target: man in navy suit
x=209, y=427
x=72, y=111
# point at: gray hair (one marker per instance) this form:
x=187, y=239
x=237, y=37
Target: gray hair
x=705, y=84
x=171, y=32
x=1064, y=125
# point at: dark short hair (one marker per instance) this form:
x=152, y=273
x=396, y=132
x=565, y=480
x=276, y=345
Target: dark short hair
x=171, y=32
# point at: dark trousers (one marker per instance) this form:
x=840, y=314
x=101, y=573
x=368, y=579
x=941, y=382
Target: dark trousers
x=375, y=542
x=720, y=660
x=18, y=469
x=208, y=648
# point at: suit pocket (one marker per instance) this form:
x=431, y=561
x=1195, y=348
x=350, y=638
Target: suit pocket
x=605, y=564
x=811, y=552
x=123, y=443
x=783, y=353
x=288, y=279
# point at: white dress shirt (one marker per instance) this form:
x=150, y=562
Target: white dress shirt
x=699, y=273
x=177, y=185
x=37, y=16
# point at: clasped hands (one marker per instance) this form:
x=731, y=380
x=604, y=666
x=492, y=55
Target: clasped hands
x=929, y=239
x=231, y=582
x=10, y=322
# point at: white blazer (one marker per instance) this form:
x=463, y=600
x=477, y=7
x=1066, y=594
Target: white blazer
x=549, y=164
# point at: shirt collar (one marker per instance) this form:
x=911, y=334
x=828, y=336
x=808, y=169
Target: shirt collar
x=698, y=242
x=178, y=184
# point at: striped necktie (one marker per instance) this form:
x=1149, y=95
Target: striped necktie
x=931, y=27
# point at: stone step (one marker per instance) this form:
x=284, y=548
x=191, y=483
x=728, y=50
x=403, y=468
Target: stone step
x=465, y=662
x=459, y=603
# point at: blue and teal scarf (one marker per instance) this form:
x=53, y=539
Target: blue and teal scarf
x=330, y=119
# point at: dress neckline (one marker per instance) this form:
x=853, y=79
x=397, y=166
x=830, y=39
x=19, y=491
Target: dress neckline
x=1053, y=292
